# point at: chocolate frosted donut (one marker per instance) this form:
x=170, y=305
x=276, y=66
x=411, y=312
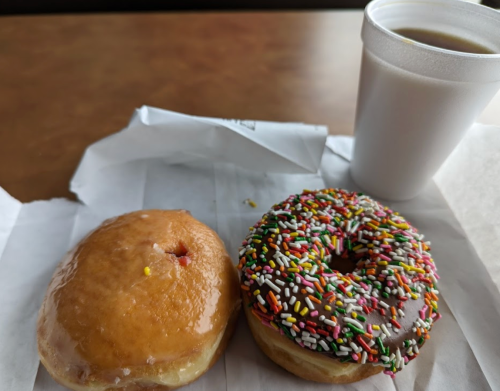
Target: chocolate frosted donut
x=338, y=287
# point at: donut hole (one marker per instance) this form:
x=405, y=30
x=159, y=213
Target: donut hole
x=342, y=265
x=181, y=253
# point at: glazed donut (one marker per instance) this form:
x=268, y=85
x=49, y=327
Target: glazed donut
x=147, y=301
x=338, y=287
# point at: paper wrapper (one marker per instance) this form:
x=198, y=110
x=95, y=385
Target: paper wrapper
x=210, y=166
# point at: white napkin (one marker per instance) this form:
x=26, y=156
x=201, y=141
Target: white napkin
x=140, y=168
x=178, y=138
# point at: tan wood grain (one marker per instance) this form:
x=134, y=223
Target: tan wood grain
x=69, y=80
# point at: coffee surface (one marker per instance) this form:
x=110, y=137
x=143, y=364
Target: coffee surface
x=442, y=40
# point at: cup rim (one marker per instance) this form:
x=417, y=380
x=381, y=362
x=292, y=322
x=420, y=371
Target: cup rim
x=485, y=11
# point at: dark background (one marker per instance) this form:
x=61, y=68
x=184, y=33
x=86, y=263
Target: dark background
x=12, y=7
x=71, y=6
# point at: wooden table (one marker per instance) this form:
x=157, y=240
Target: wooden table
x=69, y=80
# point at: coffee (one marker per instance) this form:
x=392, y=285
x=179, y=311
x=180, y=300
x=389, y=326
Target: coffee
x=442, y=40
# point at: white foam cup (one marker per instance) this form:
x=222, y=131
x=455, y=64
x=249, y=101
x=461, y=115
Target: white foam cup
x=415, y=101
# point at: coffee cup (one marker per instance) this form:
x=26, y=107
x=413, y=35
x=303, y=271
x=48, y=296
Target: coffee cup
x=416, y=101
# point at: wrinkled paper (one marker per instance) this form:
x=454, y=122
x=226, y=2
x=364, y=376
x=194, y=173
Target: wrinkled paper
x=210, y=166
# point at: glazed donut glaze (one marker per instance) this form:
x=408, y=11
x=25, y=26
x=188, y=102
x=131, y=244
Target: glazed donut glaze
x=340, y=274
x=146, y=301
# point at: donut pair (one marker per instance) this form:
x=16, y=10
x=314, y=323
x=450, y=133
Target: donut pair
x=335, y=286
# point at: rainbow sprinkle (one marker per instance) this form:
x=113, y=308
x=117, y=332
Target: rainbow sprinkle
x=250, y=202
x=289, y=265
